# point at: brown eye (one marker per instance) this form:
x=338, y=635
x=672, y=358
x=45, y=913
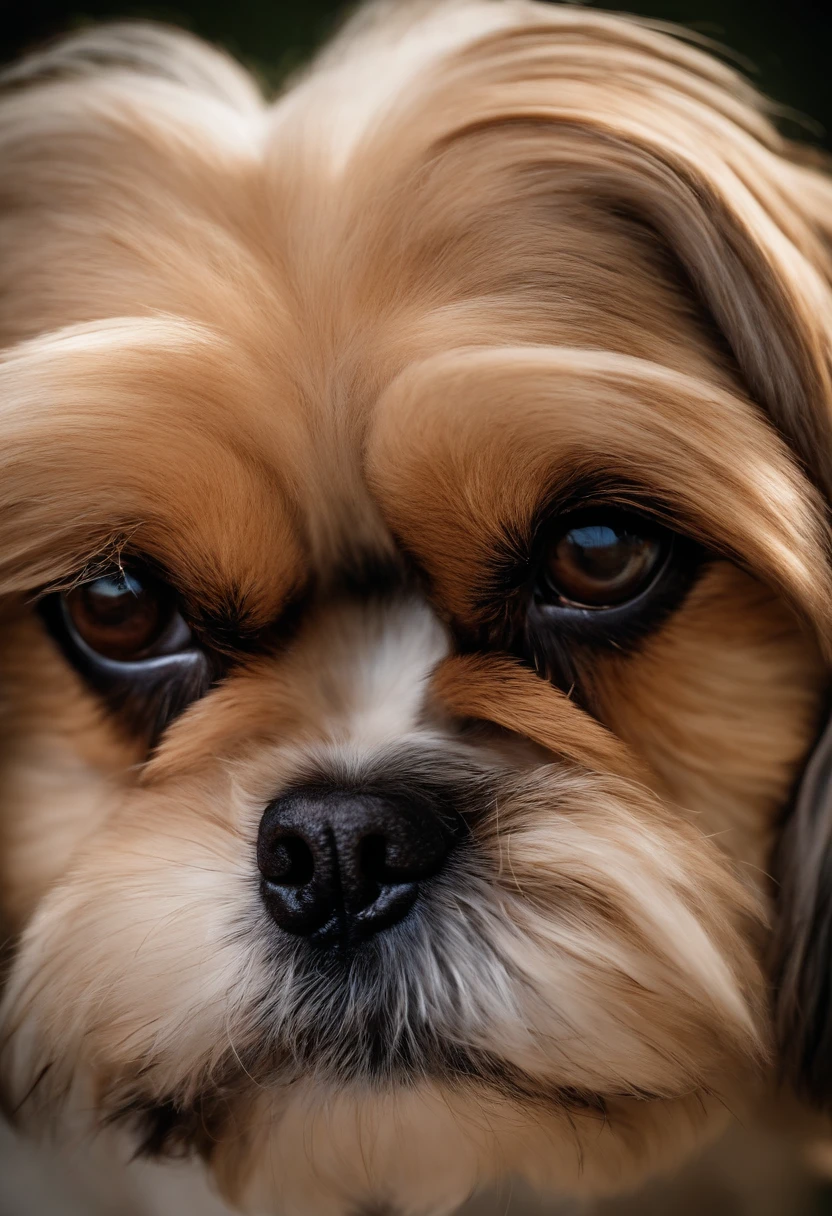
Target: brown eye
x=125, y=637
x=603, y=563
x=120, y=615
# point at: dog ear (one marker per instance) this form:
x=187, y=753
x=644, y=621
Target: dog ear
x=802, y=963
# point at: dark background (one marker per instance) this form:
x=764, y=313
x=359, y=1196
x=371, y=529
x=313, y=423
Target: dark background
x=787, y=43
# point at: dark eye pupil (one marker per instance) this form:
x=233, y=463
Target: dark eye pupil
x=116, y=615
x=600, y=565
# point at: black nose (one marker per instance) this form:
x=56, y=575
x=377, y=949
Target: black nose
x=343, y=865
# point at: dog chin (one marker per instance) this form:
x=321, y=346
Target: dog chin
x=333, y=1146
x=358, y=1158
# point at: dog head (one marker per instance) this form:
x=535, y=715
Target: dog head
x=416, y=596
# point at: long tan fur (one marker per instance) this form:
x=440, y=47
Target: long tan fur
x=479, y=254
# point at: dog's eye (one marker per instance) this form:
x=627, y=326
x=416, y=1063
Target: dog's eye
x=598, y=578
x=601, y=562
x=124, y=634
x=123, y=616
x=126, y=617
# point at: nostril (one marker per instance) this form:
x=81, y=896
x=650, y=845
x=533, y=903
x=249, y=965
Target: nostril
x=290, y=862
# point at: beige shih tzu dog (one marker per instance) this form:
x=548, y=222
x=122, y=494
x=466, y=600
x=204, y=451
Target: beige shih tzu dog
x=416, y=597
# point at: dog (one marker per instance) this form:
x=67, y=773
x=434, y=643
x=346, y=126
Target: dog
x=416, y=605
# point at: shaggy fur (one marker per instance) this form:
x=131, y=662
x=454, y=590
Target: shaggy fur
x=333, y=365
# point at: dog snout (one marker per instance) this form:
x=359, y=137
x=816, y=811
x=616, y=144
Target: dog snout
x=340, y=865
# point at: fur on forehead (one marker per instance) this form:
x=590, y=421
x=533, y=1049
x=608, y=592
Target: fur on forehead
x=310, y=252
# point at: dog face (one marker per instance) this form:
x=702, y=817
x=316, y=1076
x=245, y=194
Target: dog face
x=415, y=594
